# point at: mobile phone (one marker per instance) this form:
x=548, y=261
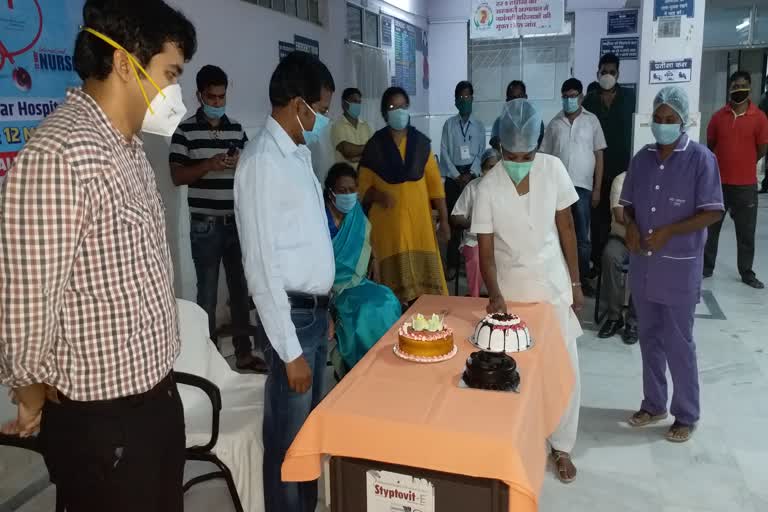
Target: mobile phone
x=232, y=150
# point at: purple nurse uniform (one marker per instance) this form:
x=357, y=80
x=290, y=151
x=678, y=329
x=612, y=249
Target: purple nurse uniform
x=666, y=284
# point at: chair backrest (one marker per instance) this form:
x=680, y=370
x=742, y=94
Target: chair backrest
x=197, y=349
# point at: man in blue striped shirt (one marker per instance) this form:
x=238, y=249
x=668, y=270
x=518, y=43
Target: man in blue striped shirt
x=204, y=153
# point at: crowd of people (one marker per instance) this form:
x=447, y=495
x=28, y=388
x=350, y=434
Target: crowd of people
x=88, y=328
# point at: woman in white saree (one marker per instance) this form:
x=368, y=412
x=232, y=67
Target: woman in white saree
x=522, y=217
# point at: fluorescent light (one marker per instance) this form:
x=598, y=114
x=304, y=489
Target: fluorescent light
x=744, y=24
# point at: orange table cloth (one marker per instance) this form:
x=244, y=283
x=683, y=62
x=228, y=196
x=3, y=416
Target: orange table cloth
x=391, y=410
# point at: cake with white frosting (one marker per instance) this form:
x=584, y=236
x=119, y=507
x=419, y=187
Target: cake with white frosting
x=502, y=333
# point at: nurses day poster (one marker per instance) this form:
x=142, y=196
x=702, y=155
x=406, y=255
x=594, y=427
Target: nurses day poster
x=37, y=38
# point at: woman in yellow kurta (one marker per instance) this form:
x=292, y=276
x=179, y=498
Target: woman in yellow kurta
x=400, y=185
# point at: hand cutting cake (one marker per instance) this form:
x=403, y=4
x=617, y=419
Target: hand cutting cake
x=502, y=333
x=425, y=337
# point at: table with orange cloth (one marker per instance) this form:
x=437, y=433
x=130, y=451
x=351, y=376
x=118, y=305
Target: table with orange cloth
x=395, y=411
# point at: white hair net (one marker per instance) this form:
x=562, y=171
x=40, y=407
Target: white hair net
x=519, y=126
x=676, y=98
x=489, y=153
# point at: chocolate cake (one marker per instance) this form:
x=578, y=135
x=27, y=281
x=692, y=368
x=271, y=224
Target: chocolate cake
x=488, y=370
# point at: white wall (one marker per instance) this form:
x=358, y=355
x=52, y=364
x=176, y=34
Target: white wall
x=591, y=26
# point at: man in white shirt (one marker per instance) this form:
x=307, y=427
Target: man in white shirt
x=288, y=262
x=615, y=263
x=575, y=136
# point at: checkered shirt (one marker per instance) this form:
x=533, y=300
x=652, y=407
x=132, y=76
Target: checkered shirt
x=86, y=293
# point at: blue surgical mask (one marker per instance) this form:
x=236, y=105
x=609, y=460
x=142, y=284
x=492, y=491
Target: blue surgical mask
x=214, y=112
x=321, y=122
x=345, y=202
x=666, y=134
x=398, y=119
x=517, y=170
x=354, y=109
x=570, y=105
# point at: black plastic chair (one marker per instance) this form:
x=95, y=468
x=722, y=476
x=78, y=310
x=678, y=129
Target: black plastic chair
x=204, y=453
x=31, y=444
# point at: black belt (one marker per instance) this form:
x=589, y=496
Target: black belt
x=307, y=301
x=464, y=169
x=164, y=385
x=214, y=219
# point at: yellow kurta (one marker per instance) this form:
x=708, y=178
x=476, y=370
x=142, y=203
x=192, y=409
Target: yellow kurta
x=403, y=236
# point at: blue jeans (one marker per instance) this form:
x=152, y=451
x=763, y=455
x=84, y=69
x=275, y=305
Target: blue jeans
x=285, y=412
x=213, y=244
x=581, y=211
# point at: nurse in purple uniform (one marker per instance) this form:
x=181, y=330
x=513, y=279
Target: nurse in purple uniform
x=671, y=194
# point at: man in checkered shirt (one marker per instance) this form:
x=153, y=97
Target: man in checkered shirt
x=88, y=314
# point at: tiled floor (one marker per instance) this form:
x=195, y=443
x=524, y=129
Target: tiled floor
x=722, y=469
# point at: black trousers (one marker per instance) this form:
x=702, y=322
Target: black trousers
x=452, y=192
x=741, y=204
x=601, y=223
x=121, y=455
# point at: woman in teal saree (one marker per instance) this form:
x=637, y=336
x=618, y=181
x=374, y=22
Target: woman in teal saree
x=364, y=309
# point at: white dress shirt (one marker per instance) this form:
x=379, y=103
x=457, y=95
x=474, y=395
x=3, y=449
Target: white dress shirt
x=283, y=231
x=575, y=144
x=463, y=208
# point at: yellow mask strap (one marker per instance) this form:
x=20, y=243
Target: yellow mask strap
x=134, y=64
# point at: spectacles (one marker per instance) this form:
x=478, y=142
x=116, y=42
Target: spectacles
x=390, y=108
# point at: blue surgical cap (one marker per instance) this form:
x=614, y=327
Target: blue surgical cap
x=676, y=98
x=489, y=153
x=519, y=126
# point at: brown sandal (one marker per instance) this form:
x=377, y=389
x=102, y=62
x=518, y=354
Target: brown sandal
x=679, y=433
x=564, y=466
x=644, y=418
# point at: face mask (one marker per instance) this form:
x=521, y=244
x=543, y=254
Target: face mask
x=666, y=134
x=214, y=112
x=739, y=96
x=345, y=202
x=570, y=105
x=354, y=109
x=398, y=119
x=607, y=81
x=464, y=106
x=166, y=110
x=517, y=170
x=321, y=122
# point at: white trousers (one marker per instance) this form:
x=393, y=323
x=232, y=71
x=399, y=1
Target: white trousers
x=564, y=438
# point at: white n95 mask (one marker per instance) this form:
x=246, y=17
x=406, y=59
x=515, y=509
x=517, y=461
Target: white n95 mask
x=165, y=112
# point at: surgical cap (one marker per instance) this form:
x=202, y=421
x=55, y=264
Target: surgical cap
x=489, y=153
x=676, y=98
x=519, y=126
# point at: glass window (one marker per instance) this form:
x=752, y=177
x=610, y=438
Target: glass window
x=726, y=26
x=760, y=33
x=265, y=3
x=355, y=23
x=302, y=11
x=278, y=5
x=314, y=11
x=290, y=7
x=371, y=32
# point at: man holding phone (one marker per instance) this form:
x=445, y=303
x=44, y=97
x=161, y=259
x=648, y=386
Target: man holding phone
x=204, y=153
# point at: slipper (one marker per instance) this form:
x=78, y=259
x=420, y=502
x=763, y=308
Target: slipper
x=644, y=418
x=562, y=462
x=679, y=433
x=255, y=365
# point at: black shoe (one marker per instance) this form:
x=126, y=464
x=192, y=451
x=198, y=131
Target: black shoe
x=610, y=328
x=587, y=290
x=629, y=336
x=753, y=282
x=708, y=273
